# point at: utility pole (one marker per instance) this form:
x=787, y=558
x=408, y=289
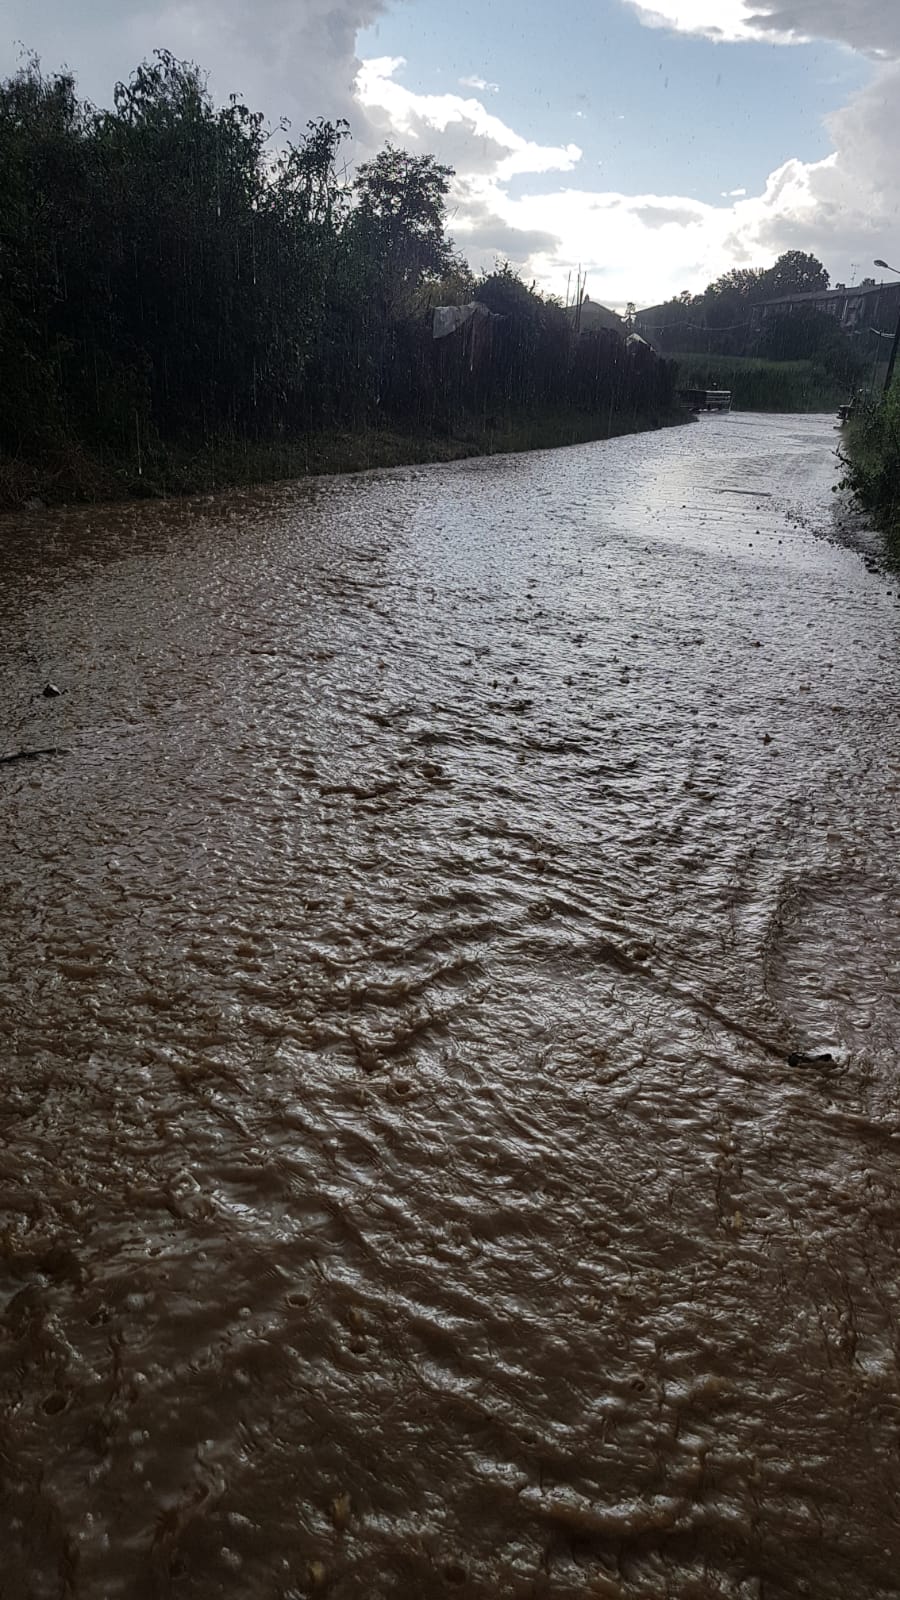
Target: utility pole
x=895, y=349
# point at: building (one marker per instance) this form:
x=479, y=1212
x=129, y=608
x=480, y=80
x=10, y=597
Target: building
x=589, y=316
x=868, y=313
x=868, y=306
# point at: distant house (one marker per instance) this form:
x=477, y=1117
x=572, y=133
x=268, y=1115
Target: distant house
x=859, y=311
x=869, y=305
x=590, y=317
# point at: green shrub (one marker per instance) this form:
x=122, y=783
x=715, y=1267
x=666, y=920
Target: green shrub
x=761, y=385
x=872, y=459
x=170, y=289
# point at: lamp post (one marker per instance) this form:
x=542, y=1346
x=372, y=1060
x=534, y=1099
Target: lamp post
x=895, y=347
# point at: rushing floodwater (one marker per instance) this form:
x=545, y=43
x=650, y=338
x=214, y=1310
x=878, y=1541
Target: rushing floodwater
x=449, y=1004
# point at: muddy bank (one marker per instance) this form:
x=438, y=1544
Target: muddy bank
x=71, y=474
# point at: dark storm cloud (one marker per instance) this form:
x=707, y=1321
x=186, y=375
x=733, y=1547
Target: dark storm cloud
x=871, y=26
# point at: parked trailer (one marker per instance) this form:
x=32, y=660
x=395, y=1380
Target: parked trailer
x=707, y=399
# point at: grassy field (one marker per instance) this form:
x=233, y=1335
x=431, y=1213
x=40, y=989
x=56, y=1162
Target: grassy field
x=758, y=385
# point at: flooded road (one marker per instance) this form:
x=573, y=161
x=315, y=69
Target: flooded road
x=449, y=1012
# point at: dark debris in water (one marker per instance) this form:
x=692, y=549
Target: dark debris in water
x=800, y=1058
x=32, y=755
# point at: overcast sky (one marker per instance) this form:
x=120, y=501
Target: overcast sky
x=653, y=145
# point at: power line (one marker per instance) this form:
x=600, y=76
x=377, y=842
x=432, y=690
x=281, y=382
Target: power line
x=692, y=327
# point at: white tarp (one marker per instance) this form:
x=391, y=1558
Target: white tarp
x=447, y=319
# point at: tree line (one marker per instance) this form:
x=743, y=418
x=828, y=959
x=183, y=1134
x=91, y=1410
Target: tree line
x=170, y=271
x=720, y=320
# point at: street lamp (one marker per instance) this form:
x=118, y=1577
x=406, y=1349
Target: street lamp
x=895, y=347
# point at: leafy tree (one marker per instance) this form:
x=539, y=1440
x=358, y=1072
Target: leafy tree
x=455, y=287
x=166, y=277
x=726, y=308
x=795, y=273
x=504, y=293
x=45, y=208
x=400, y=214
x=741, y=283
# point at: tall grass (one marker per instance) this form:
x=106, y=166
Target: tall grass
x=760, y=385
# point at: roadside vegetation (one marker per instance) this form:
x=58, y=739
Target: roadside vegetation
x=872, y=458
x=724, y=311
x=799, y=360
x=764, y=385
x=189, y=298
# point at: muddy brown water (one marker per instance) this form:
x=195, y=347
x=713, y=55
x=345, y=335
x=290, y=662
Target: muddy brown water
x=449, y=1019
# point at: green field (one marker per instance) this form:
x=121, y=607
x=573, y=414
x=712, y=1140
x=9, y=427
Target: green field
x=758, y=385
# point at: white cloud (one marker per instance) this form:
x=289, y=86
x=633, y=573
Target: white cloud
x=646, y=247
x=295, y=58
x=632, y=247
x=299, y=57
x=846, y=208
x=870, y=26
x=548, y=230
x=715, y=19
x=485, y=153
x=454, y=128
x=479, y=83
